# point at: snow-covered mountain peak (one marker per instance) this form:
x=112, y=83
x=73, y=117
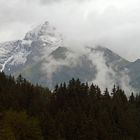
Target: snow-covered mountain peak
x=45, y=33
x=38, y=42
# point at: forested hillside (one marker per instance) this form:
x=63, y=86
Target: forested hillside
x=73, y=111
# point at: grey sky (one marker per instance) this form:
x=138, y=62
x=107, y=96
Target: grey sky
x=112, y=23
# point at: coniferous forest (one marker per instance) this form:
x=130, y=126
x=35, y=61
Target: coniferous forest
x=73, y=111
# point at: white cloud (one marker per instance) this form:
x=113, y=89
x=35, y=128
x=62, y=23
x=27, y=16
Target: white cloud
x=106, y=76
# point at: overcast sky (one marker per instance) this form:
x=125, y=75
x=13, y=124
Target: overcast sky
x=112, y=23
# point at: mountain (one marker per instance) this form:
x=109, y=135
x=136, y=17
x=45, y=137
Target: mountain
x=15, y=55
x=42, y=58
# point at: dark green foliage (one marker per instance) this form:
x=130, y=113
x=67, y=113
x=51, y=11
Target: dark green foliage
x=73, y=111
x=19, y=126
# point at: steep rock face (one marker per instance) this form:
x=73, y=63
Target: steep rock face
x=13, y=54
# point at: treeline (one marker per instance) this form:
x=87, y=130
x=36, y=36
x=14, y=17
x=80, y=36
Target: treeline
x=73, y=111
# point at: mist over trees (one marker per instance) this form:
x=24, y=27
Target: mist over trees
x=73, y=111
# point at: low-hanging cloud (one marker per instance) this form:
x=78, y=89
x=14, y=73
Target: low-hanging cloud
x=105, y=77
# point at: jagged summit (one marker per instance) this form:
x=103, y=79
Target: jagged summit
x=39, y=31
x=44, y=32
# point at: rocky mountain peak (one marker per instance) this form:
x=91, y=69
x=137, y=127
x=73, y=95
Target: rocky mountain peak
x=45, y=33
